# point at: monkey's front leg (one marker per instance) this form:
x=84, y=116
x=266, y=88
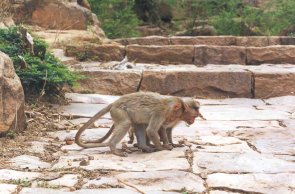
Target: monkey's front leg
x=169, y=134
x=164, y=137
x=152, y=132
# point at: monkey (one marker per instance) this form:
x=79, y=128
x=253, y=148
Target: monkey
x=84, y=3
x=137, y=108
x=189, y=115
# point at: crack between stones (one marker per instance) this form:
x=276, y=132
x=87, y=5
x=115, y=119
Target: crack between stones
x=252, y=83
x=189, y=155
x=234, y=190
x=129, y=185
x=139, y=84
x=253, y=147
x=281, y=123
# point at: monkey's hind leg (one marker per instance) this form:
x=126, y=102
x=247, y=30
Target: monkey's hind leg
x=141, y=138
x=122, y=124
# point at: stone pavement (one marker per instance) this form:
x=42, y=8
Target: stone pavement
x=244, y=146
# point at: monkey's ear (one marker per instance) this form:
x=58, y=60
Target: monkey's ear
x=185, y=106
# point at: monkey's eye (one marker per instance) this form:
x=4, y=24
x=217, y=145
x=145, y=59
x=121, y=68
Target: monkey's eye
x=196, y=108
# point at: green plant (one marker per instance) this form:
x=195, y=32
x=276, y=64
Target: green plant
x=44, y=74
x=117, y=17
x=22, y=182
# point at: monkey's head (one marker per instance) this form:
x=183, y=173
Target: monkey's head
x=192, y=111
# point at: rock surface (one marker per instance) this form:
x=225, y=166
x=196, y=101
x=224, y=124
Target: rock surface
x=271, y=54
x=53, y=14
x=109, y=81
x=161, y=54
x=202, y=83
x=12, y=97
x=244, y=146
x=219, y=55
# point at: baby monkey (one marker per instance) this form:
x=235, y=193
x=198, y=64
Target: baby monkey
x=151, y=109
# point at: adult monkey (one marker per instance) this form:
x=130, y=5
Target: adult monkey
x=137, y=108
x=189, y=115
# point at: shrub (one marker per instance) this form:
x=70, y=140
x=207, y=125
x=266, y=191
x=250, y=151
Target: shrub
x=44, y=74
x=116, y=16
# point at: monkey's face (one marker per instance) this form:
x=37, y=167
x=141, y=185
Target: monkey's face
x=192, y=111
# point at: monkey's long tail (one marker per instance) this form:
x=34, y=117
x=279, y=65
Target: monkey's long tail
x=89, y=123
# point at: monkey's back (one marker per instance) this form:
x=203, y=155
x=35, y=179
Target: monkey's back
x=140, y=106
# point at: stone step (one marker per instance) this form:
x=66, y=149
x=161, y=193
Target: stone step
x=199, y=55
x=211, y=81
x=255, y=41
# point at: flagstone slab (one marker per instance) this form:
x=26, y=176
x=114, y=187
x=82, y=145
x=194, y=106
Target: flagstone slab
x=136, y=161
x=29, y=162
x=163, y=181
x=261, y=183
x=68, y=180
x=7, y=174
x=250, y=162
x=91, y=98
x=8, y=188
x=82, y=109
x=236, y=113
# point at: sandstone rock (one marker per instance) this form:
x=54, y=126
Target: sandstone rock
x=150, y=31
x=68, y=180
x=274, y=40
x=202, y=82
x=8, y=188
x=203, y=40
x=107, y=52
x=287, y=40
x=103, y=182
x=240, y=113
x=136, y=161
x=274, y=80
x=6, y=175
x=161, y=54
x=29, y=162
x=163, y=181
x=91, y=98
x=254, y=183
x=112, y=82
x=281, y=101
x=249, y=162
x=254, y=41
x=61, y=38
x=149, y=40
x=270, y=54
x=219, y=55
x=62, y=15
x=82, y=191
x=81, y=109
x=12, y=101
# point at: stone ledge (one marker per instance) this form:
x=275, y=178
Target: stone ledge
x=219, y=55
x=253, y=41
x=107, y=52
x=273, y=80
x=161, y=54
x=270, y=54
x=109, y=82
x=201, y=82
